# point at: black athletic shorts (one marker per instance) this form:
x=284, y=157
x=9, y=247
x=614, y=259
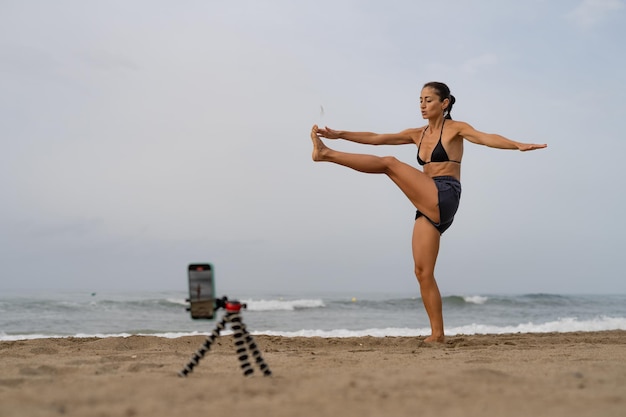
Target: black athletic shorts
x=449, y=198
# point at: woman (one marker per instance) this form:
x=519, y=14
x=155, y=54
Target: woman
x=435, y=192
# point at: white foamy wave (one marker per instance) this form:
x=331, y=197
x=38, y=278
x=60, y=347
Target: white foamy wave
x=13, y=337
x=563, y=325
x=282, y=305
x=475, y=299
x=390, y=331
x=179, y=301
x=170, y=335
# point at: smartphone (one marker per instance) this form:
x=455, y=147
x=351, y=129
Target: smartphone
x=201, y=291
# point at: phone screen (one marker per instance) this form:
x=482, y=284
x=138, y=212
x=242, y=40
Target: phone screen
x=201, y=290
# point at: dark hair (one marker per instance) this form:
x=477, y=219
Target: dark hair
x=443, y=92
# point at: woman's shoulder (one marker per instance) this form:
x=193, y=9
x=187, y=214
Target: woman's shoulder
x=457, y=126
x=455, y=123
x=413, y=132
x=414, y=129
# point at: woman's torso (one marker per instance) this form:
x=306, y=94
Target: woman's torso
x=435, y=160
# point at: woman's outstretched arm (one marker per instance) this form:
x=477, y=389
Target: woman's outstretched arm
x=370, y=138
x=493, y=140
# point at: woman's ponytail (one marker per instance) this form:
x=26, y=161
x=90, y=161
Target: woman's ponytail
x=449, y=108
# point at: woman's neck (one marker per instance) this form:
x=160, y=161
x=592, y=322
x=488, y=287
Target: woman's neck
x=435, y=124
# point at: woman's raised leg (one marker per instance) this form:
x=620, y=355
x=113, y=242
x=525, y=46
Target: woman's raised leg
x=417, y=186
x=425, y=250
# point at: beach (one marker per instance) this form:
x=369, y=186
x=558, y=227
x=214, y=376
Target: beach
x=547, y=374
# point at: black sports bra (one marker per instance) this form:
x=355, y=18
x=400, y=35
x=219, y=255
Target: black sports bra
x=439, y=153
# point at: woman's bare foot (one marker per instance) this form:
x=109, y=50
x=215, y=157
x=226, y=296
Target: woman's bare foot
x=435, y=339
x=319, y=149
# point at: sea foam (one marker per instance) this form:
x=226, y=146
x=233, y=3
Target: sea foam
x=563, y=325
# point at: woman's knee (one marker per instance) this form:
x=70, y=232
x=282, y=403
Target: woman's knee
x=424, y=274
x=389, y=162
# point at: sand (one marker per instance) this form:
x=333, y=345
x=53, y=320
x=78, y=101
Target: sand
x=556, y=374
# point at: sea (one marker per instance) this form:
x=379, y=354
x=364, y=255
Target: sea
x=164, y=314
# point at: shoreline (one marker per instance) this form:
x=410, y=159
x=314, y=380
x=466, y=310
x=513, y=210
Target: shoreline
x=324, y=334
x=555, y=374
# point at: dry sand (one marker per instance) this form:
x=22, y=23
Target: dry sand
x=565, y=374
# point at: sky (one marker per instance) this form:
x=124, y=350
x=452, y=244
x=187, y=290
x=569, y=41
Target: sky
x=138, y=137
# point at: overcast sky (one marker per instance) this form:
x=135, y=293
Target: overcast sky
x=140, y=136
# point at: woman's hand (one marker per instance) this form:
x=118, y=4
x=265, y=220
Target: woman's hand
x=328, y=133
x=530, y=146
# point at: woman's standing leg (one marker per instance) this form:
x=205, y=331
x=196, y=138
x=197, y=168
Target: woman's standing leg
x=425, y=250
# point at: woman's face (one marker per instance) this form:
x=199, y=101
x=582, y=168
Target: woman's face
x=430, y=103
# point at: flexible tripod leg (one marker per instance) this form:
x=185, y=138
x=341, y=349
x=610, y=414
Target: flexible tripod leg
x=204, y=348
x=240, y=343
x=256, y=353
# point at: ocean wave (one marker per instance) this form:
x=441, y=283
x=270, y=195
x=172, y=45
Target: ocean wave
x=263, y=304
x=167, y=335
x=177, y=301
x=564, y=325
x=282, y=305
x=460, y=300
x=475, y=299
